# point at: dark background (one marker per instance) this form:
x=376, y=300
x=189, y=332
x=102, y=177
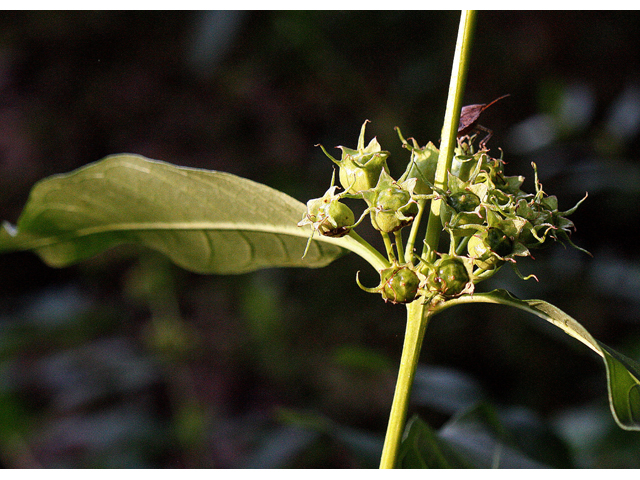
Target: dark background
x=128, y=361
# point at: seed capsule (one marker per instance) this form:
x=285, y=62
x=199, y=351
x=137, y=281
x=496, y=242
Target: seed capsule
x=400, y=285
x=488, y=249
x=360, y=169
x=451, y=277
x=393, y=210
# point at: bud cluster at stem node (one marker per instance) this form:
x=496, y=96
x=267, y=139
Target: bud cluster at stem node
x=489, y=219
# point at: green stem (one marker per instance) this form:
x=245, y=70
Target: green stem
x=418, y=314
x=413, y=233
x=368, y=252
x=416, y=326
x=399, y=246
x=451, y=118
x=388, y=246
x=462, y=245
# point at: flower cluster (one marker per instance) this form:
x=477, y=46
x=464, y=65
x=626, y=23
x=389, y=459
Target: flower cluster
x=489, y=219
x=489, y=213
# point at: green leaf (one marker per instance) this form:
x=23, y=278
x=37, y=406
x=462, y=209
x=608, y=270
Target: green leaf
x=421, y=447
x=204, y=221
x=475, y=437
x=623, y=373
x=485, y=440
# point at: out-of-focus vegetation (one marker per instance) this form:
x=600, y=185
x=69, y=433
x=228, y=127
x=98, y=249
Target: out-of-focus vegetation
x=128, y=361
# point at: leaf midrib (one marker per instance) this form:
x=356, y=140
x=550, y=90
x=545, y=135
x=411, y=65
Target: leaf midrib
x=162, y=226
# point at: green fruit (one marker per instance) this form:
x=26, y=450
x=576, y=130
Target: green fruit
x=355, y=177
x=393, y=210
x=450, y=277
x=498, y=242
x=392, y=198
x=399, y=285
x=336, y=219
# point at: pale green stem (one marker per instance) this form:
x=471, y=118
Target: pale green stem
x=462, y=245
x=451, y=119
x=481, y=274
x=399, y=246
x=417, y=314
x=413, y=233
x=416, y=326
x=372, y=255
x=388, y=246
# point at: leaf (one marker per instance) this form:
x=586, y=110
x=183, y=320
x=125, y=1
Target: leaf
x=476, y=437
x=363, y=444
x=623, y=373
x=205, y=221
x=421, y=447
x=481, y=436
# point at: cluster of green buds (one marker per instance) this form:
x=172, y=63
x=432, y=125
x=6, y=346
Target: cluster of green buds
x=489, y=219
x=488, y=214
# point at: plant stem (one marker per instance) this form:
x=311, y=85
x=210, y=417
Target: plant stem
x=413, y=233
x=388, y=246
x=418, y=314
x=451, y=119
x=416, y=326
x=399, y=247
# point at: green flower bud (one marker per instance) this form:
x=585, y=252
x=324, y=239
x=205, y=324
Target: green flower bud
x=328, y=215
x=355, y=177
x=450, y=276
x=462, y=165
x=360, y=169
x=498, y=242
x=337, y=220
x=489, y=248
x=463, y=201
x=460, y=209
x=391, y=204
x=394, y=209
x=481, y=254
x=422, y=165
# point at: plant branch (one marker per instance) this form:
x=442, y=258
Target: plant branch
x=413, y=233
x=388, y=246
x=416, y=325
x=399, y=246
x=417, y=314
x=368, y=252
x=451, y=119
